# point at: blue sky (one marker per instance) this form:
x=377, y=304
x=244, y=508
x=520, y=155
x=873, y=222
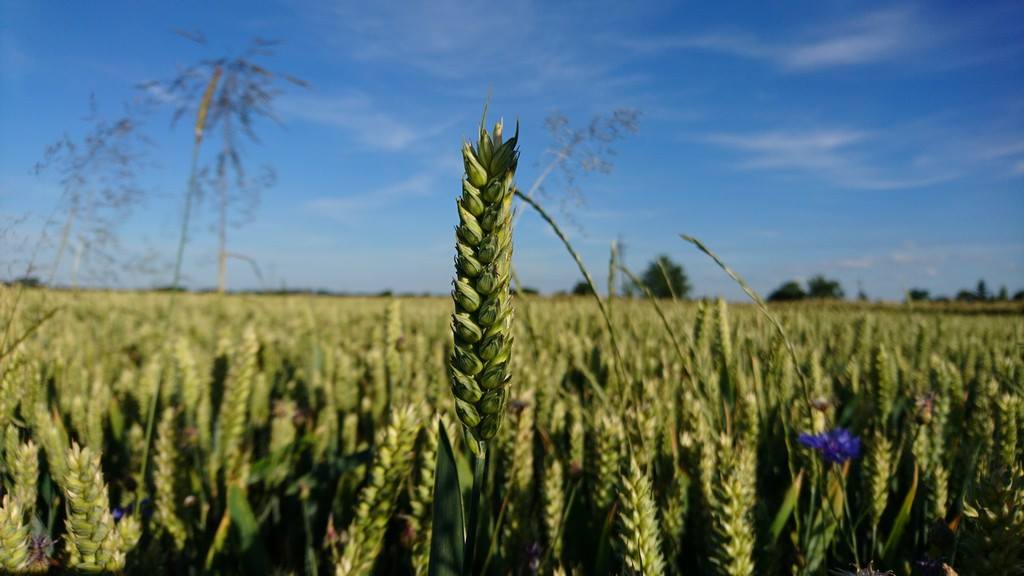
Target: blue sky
x=881, y=144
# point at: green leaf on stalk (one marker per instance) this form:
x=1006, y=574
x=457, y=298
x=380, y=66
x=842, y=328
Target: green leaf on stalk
x=448, y=533
x=786, y=509
x=247, y=529
x=901, y=519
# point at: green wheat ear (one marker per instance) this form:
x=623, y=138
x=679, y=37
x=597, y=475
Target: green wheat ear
x=482, y=323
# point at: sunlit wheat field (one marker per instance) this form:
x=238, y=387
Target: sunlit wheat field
x=298, y=434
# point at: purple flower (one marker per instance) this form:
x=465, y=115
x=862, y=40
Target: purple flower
x=120, y=512
x=836, y=446
x=533, y=552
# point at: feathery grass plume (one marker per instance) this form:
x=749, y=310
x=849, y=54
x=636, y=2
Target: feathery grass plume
x=482, y=322
x=639, y=535
x=391, y=464
x=422, y=497
x=993, y=539
x=23, y=468
x=732, y=510
x=15, y=539
x=93, y=542
x=231, y=422
x=552, y=492
x=165, y=465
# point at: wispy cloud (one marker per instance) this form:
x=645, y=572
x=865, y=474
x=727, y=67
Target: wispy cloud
x=833, y=155
x=791, y=150
x=856, y=263
x=14, y=61
x=353, y=206
x=348, y=208
x=458, y=42
x=360, y=115
x=873, y=37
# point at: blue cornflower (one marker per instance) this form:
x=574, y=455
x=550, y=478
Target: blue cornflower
x=836, y=446
x=120, y=512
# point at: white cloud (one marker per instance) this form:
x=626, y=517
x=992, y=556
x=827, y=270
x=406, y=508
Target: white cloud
x=1001, y=150
x=791, y=149
x=873, y=37
x=14, y=61
x=833, y=155
x=353, y=206
x=529, y=48
x=358, y=114
x=856, y=263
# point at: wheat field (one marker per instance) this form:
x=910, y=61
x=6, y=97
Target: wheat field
x=297, y=435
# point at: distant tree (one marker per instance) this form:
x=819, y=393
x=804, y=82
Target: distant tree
x=27, y=282
x=664, y=278
x=917, y=294
x=582, y=289
x=788, y=292
x=1003, y=295
x=966, y=296
x=823, y=288
x=527, y=291
x=1018, y=296
x=862, y=296
x=982, y=291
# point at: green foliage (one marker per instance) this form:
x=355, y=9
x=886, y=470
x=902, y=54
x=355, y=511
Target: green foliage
x=582, y=288
x=821, y=288
x=917, y=295
x=666, y=279
x=788, y=292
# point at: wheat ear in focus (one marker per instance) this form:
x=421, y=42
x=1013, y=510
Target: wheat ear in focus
x=482, y=323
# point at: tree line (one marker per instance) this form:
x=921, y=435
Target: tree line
x=665, y=278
